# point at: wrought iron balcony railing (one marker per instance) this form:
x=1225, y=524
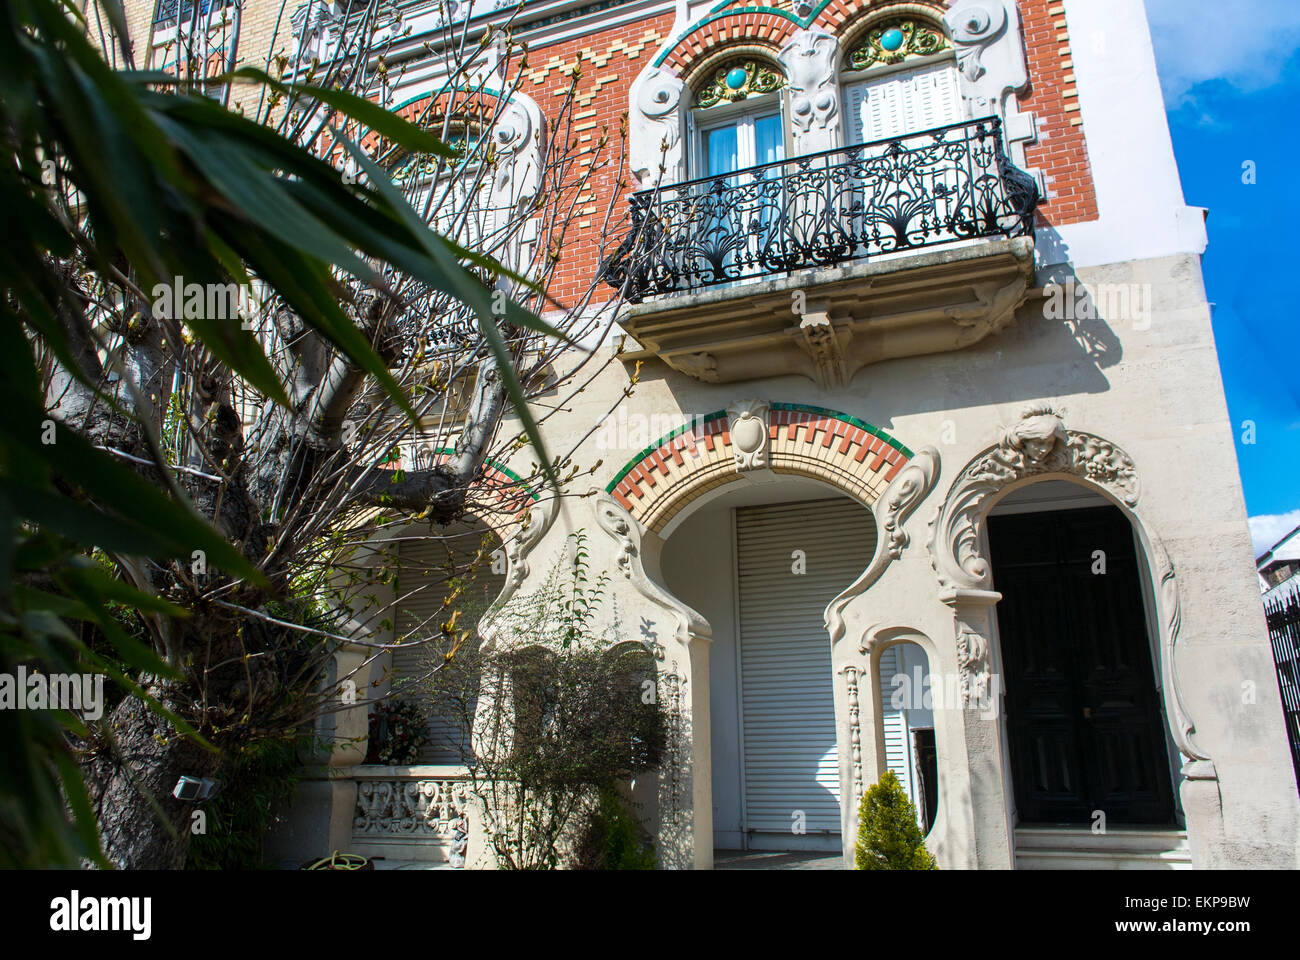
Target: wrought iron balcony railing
x=905, y=193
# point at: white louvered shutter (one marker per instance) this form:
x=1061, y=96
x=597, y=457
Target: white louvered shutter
x=787, y=693
x=422, y=563
x=902, y=103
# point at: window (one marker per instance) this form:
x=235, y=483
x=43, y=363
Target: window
x=169, y=12
x=897, y=104
x=745, y=141
x=903, y=80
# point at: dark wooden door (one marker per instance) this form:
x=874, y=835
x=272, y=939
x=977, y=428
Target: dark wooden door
x=1083, y=714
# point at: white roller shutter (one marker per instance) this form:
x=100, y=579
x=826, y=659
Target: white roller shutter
x=902, y=103
x=422, y=573
x=893, y=722
x=787, y=693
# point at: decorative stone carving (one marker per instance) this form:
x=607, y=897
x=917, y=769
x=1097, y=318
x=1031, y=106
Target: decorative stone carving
x=975, y=26
x=738, y=80
x=992, y=66
x=901, y=498
x=655, y=128
x=518, y=160
x=315, y=27
x=626, y=532
x=517, y=548
x=701, y=366
x=974, y=664
x=825, y=341
x=749, y=433
x=810, y=60
x=410, y=808
x=895, y=41
x=850, y=673
x=1038, y=444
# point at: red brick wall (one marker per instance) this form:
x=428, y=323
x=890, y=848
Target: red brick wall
x=610, y=61
x=1062, y=150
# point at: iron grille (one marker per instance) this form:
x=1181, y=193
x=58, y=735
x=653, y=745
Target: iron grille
x=904, y=193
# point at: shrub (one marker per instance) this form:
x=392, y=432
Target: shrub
x=612, y=839
x=889, y=837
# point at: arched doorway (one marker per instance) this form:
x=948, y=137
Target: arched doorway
x=1085, y=728
x=761, y=562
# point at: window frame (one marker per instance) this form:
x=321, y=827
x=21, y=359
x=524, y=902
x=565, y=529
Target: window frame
x=704, y=120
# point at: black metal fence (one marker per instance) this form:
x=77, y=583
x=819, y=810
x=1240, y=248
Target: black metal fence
x=919, y=190
x=1284, y=631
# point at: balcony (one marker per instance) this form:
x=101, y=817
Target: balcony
x=823, y=263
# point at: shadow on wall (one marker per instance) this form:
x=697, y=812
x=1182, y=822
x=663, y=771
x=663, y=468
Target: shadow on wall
x=1064, y=339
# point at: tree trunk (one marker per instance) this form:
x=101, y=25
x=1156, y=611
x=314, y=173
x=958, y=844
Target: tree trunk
x=148, y=759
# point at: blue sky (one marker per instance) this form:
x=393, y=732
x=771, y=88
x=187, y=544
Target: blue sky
x=1231, y=79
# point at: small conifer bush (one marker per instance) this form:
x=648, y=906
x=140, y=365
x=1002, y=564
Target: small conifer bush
x=889, y=837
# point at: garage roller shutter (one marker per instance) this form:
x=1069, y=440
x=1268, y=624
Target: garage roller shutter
x=787, y=701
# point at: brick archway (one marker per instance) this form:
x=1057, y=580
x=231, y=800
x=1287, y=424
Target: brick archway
x=826, y=445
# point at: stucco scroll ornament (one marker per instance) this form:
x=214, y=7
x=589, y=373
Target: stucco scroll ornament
x=749, y=433
x=974, y=28
x=809, y=60
x=518, y=163
x=654, y=135
x=626, y=533
x=851, y=673
x=901, y=498
x=517, y=547
x=1039, y=444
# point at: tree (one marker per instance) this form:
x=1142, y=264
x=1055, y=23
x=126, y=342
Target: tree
x=889, y=837
x=220, y=332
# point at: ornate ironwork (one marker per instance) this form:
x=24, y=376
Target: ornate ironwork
x=920, y=190
x=895, y=41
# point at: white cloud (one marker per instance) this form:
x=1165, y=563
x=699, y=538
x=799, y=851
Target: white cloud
x=1199, y=40
x=1267, y=529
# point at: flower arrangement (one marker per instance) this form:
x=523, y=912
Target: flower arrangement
x=398, y=729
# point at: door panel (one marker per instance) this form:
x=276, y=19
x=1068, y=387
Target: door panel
x=1084, y=720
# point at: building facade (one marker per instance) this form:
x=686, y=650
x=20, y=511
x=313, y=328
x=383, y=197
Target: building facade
x=926, y=465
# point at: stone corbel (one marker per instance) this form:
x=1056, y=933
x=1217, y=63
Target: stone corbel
x=992, y=66
x=900, y=500
x=655, y=128
x=811, y=63
x=826, y=342
x=1039, y=445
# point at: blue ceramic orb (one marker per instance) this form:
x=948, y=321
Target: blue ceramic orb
x=892, y=39
x=736, y=77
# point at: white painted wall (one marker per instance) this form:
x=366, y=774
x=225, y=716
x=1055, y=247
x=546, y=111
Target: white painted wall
x=699, y=568
x=1139, y=193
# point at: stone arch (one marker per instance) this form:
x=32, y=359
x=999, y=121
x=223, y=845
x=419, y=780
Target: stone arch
x=762, y=31
x=1040, y=447
x=782, y=438
x=945, y=734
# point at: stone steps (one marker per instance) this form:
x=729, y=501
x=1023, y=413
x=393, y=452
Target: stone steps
x=1074, y=848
